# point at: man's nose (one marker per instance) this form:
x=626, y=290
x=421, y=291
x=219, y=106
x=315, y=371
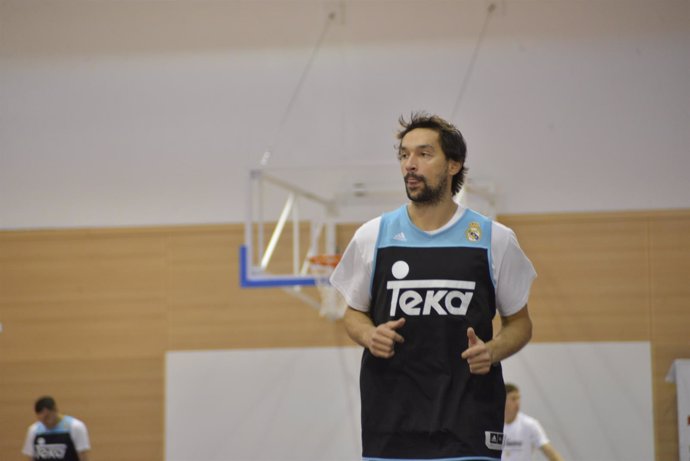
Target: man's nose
x=411, y=163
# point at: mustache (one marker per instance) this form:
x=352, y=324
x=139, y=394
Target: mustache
x=416, y=177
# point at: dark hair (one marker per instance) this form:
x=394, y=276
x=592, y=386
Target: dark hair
x=510, y=387
x=45, y=402
x=452, y=141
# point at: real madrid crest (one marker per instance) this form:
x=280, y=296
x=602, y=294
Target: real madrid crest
x=474, y=232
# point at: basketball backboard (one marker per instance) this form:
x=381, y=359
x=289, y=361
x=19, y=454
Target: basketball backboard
x=313, y=201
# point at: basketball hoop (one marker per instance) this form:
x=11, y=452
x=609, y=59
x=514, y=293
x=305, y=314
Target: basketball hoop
x=325, y=260
x=333, y=305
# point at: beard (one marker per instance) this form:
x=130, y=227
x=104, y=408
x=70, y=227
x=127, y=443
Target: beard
x=426, y=195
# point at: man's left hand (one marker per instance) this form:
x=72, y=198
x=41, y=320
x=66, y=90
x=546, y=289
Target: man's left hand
x=477, y=354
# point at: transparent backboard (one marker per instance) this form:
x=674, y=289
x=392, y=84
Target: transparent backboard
x=295, y=211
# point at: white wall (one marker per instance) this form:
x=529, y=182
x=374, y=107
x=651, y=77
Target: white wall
x=593, y=399
x=150, y=112
x=265, y=404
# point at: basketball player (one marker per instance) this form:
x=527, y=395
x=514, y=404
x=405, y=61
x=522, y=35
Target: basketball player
x=55, y=436
x=523, y=434
x=423, y=284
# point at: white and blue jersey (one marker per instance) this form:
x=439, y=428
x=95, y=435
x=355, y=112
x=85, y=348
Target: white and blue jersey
x=423, y=403
x=62, y=442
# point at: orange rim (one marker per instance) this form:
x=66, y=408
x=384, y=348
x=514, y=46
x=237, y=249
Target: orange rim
x=325, y=260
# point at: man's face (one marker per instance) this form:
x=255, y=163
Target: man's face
x=49, y=418
x=426, y=170
x=512, y=405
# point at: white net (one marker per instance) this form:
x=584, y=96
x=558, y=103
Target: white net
x=333, y=305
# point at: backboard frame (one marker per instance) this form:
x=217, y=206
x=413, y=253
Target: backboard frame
x=357, y=185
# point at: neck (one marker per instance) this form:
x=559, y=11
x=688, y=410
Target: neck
x=57, y=420
x=431, y=217
x=510, y=420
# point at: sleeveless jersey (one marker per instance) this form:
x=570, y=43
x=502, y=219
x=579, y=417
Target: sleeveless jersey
x=56, y=443
x=423, y=402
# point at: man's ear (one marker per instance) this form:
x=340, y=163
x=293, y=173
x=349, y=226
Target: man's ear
x=454, y=167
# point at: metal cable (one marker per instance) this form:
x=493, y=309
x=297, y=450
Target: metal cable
x=473, y=60
x=267, y=154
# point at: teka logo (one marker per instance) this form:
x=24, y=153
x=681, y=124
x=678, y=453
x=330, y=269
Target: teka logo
x=440, y=296
x=45, y=450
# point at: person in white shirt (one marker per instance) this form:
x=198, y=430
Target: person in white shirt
x=522, y=433
x=55, y=436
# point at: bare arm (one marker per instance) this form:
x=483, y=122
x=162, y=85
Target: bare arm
x=551, y=453
x=380, y=340
x=516, y=331
x=83, y=456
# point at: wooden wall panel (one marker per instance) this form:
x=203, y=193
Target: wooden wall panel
x=84, y=319
x=120, y=399
x=209, y=310
x=593, y=276
x=82, y=294
x=89, y=314
x=670, y=324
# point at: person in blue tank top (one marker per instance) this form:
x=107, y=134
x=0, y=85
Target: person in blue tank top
x=423, y=284
x=55, y=436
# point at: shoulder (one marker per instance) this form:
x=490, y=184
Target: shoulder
x=361, y=245
x=501, y=235
x=368, y=231
x=33, y=428
x=76, y=424
x=528, y=420
x=365, y=237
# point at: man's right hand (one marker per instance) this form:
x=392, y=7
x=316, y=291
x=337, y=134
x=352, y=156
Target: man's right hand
x=383, y=338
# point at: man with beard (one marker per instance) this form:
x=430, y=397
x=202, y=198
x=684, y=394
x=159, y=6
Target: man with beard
x=423, y=284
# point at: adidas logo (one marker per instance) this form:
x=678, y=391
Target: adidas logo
x=400, y=236
x=493, y=440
